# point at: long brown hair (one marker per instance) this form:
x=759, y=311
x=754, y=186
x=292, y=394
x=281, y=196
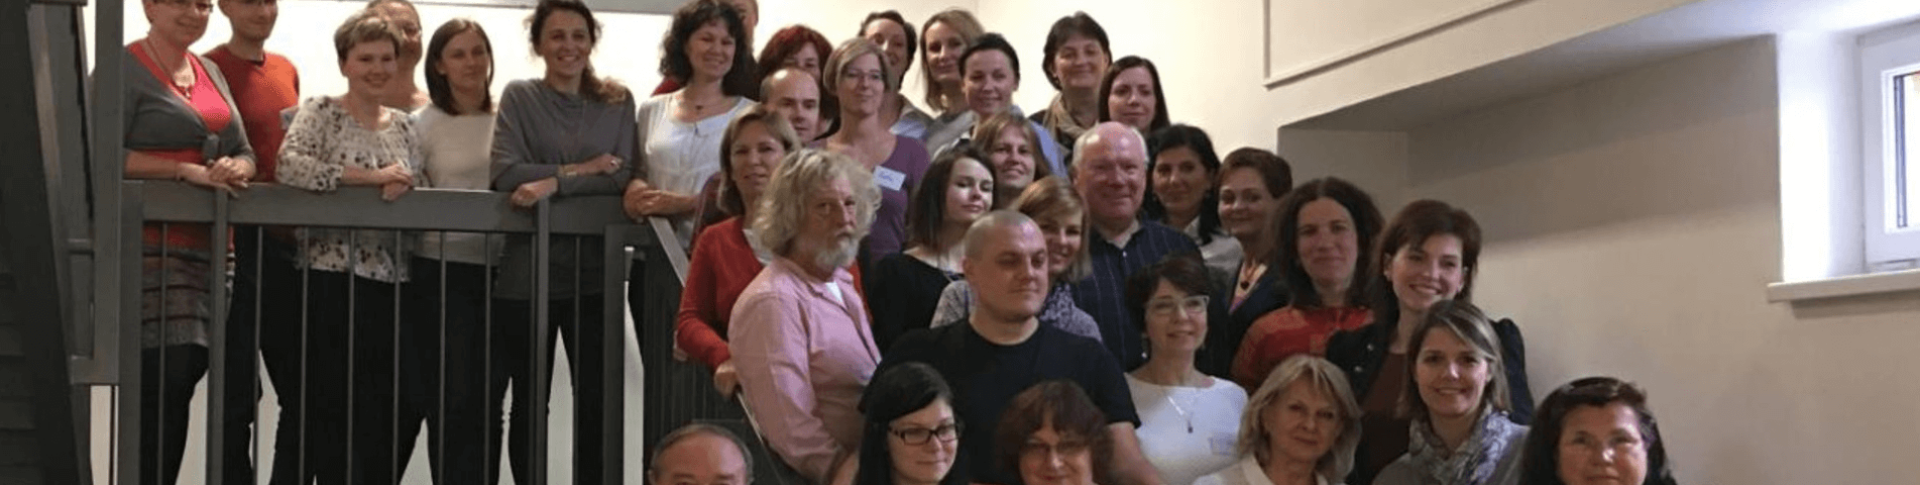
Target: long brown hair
x=438, y=88
x=593, y=87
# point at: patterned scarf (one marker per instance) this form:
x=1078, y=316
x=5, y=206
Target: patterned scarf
x=1474, y=462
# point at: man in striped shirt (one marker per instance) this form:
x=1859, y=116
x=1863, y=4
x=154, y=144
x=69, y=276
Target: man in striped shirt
x=1110, y=173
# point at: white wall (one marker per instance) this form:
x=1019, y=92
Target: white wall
x=1632, y=224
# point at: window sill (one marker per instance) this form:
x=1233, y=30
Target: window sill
x=1844, y=286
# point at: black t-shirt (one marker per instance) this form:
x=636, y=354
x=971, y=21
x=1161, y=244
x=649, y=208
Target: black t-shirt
x=902, y=292
x=986, y=376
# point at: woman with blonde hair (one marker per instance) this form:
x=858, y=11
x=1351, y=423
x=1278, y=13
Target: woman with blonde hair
x=1301, y=427
x=1456, y=395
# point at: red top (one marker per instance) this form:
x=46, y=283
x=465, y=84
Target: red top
x=722, y=265
x=263, y=90
x=1288, y=331
x=205, y=99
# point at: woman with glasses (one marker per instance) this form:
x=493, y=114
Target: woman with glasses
x=1188, y=420
x=912, y=434
x=1595, y=430
x=1052, y=434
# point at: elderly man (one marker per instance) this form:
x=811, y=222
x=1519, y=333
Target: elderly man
x=800, y=336
x=795, y=94
x=700, y=453
x=1110, y=173
x=1002, y=349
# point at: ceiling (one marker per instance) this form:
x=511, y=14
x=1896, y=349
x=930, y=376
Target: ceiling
x=1683, y=30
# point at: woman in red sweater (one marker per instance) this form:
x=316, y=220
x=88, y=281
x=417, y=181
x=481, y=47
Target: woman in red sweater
x=724, y=256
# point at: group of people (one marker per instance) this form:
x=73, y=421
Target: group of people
x=960, y=294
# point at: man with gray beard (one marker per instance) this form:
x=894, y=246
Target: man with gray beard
x=800, y=336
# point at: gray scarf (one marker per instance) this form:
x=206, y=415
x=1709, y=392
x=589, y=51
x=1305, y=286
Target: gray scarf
x=1474, y=462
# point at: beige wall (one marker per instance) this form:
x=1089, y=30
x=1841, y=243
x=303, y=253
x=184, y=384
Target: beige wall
x=1632, y=224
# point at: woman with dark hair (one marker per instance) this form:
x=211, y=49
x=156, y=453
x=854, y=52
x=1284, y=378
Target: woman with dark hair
x=1251, y=181
x=1075, y=58
x=905, y=287
x=679, y=132
x=724, y=258
x=181, y=124
x=1301, y=426
x=992, y=74
x=909, y=408
x=1131, y=94
x=1182, y=172
x=896, y=39
x=568, y=133
x=1428, y=253
x=1011, y=146
x=1320, y=232
x=1053, y=434
x=443, y=374
x=857, y=75
x=749, y=18
x=794, y=46
x=947, y=35
x=1456, y=396
x=1183, y=413
x=1592, y=431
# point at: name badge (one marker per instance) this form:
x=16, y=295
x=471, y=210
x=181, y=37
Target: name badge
x=1222, y=444
x=889, y=179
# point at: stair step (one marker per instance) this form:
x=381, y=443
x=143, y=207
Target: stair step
x=10, y=344
x=15, y=414
x=13, y=379
x=18, y=448
x=21, y=475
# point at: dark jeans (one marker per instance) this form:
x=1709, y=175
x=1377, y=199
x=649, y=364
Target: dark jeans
x=266, y=288
x=450, y=396
x=167, y=376
x=341, y=417
x=513, y=358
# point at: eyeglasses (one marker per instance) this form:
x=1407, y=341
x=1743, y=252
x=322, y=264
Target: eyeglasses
x=1036, y=449
x=919, y=436
x=1168, y=307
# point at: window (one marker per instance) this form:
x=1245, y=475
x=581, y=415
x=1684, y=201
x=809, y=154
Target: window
x=1890, y=75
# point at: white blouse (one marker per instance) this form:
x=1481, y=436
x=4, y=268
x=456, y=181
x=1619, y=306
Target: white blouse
x=680, y=157
x=456, y=153
x=1188, y=432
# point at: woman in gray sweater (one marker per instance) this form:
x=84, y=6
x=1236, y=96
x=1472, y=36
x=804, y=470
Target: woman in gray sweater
x=569, y=133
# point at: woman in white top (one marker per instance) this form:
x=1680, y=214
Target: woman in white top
x=1300, y=429
x=679, y=132
x=1188, y=420
x=445, y=304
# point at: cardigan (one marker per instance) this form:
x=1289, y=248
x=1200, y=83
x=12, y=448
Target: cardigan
x=724, y=262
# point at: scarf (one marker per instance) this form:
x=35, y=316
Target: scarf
x=1060, y=121
x=1474, y=462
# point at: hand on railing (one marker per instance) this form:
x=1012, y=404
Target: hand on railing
x=233, y=172
x=657, y=202
x=531, y=193
x=726, y=379
x=202, y=176
x=603, y=164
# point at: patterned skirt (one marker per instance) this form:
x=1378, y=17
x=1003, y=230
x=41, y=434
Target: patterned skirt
x=176, y=305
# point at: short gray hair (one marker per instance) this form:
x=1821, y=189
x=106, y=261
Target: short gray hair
x=783, y=207
x=977, y=233
x=1329, y=380
x=697, y=429
x=1093, y=135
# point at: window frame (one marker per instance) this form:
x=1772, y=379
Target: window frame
x=1884, y=57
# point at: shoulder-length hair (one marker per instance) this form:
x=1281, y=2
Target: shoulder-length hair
x=1417, y=222
x=852, y=49
x=1050, y=198
x=1160, y=119
x=970, y=29
x=730, y=200
x=1286, y=245
x=927, y=210
x=1192, y=138
x=1060, y=403
x=1184, y=271
x=1324, y=377
x=593, y=87
x=894, y=393
x=783, y=206
x=438, y=88
x=1540, y=463
x=1077, y=25
x=986, y=138
x=1467, y=323
x=742, y=77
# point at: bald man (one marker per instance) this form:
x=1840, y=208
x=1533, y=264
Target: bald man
x=1110, y=173
x=795, y=94
x=1002, y=349
x=700, y=453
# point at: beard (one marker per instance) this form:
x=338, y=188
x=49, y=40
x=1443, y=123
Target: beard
x=839, y=253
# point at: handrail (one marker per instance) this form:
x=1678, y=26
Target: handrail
x=361, y=207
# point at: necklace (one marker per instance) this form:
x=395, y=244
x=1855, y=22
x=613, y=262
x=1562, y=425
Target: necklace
x=1180, y=409
x=185, y=90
